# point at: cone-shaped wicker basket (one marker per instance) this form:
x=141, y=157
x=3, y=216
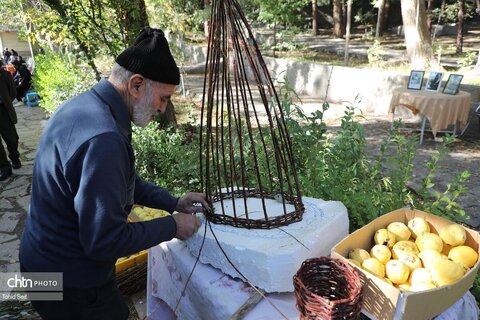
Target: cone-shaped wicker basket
x=245, y=149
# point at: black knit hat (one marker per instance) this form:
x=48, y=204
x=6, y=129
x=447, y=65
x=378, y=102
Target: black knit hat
x=150, y=56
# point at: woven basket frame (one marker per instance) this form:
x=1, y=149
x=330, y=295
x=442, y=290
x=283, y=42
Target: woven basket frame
x=268, y=222
x=327, y=289
x=244, y=139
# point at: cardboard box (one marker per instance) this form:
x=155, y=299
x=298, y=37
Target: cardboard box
x=154, y=213
x=131, y=261
x=383, y=300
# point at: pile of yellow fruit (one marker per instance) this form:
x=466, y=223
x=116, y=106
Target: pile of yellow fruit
x=146, y=213
x=412, y=258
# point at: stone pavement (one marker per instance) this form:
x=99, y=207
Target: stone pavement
x=14, y=202
x=15, y=191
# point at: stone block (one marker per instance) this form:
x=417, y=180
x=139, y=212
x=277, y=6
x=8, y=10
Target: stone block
x=270, y=258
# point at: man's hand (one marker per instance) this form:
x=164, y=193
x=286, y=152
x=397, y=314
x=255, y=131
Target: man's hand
x=193, y=202
x=187, y=225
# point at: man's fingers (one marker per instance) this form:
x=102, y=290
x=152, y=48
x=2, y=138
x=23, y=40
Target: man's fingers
x=201, y=206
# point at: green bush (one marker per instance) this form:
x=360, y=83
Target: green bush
x=58, y=78
x=168, y=158
x=335, y=166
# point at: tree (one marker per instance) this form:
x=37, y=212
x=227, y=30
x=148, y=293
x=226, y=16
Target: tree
x=314, y=18
x=382, y=17
x=11, y=12
x=97, y=27
x=347, y=31
x=277, y=14
x=179, y=16
x=429, y=14
x=337, y=19
x=381, y=7
x=133, y=16
x=417, y=37
x=206, y=4
x=460, y=27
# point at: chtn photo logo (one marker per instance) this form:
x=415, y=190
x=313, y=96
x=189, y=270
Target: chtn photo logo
x=40, y=286
x=21, y=282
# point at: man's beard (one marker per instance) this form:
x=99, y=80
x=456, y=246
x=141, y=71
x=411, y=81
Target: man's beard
x=142, y=111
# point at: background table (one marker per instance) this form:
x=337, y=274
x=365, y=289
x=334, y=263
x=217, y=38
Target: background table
x=440, y=109
x=212, y=295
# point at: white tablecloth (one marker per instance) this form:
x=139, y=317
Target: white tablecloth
x=212, y=295
x=440, y=109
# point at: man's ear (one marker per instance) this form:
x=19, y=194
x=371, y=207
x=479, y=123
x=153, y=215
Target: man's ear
x=135, y=84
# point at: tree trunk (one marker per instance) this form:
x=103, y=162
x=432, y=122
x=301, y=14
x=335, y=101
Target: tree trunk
x=417, y=37
x=460, y=28
x=429, y=15
x=274, y=53
x=386, y=14
x=337, y=19
x=379, y=29
x=314, y=18
x=347, y=32
x=206, y=23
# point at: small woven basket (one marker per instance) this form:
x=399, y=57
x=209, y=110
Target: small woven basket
x=327, y=288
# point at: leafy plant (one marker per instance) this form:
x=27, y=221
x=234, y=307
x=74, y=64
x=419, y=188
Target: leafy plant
x=373, y=53
x=335, y=166
x=442, y=203
x=469, y=59
x=59, y=78
x=475, y=290
x=449, y=13
x=188, y=15
x=282, y=13
x=168, y=157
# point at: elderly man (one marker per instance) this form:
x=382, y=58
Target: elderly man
x=84, y=185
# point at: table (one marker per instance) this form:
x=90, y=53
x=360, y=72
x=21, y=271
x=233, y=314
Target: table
x=440, y=109
x=212, y=295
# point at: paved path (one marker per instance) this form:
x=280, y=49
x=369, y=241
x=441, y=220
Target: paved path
x=15, y=191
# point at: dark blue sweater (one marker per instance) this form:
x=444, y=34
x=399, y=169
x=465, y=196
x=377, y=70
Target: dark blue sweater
x=84, y=184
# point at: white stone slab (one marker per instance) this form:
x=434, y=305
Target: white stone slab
x=211, y=295
x=270, y=258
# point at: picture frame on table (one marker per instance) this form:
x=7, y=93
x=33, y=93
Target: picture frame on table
x=416, y=80
x=453, y=84
x=434, y=81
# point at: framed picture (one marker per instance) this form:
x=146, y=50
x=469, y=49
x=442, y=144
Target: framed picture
x=416, y=80
x=434, y=81
x=453, y=83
